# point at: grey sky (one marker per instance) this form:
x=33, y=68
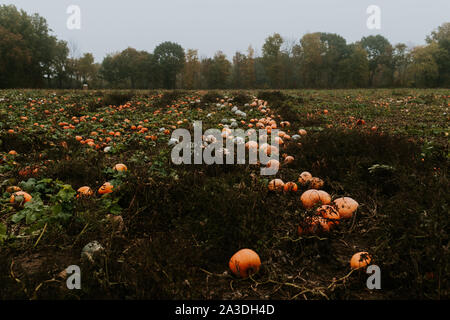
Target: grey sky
x=230, y=25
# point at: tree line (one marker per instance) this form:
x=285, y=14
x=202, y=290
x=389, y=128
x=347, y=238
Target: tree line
x=31, y=57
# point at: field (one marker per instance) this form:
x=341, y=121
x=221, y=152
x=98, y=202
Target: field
x=168, y=231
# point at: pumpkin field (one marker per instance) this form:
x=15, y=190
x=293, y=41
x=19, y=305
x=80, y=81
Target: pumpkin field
x=86, y=179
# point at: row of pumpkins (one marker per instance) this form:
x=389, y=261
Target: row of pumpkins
x=246, y=261
x=20, y=197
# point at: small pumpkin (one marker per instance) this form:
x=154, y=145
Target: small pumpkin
x=120, y=167
x=274, y=164
x=360, y=260
x=107, y=187
x=313, y=225
x=13, y=189
x=244, y=263
x=304, y=178
x=20, y=194
x=276, y=185
x=316, y=183
x=84, y=192
x=290, y=187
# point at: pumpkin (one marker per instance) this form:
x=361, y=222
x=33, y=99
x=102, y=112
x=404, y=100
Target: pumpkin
x=313, y=225
x=312, y=197
x=304, y=178
x=251, y=145
x=329, y=213
x=316, y=183
x=84, y=192
x=106, y=188
x=244, y=263
x=360, y=260
x=302, y=132
x=120, y=167
x=290, y=186
x=275, y=164
x=288, y=159
x=346, y=206
x=26, y=197
x=276, y=185
x=13, y=189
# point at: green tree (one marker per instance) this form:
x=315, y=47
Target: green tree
x=379, y=52
x=170, y=59
x=272, y=60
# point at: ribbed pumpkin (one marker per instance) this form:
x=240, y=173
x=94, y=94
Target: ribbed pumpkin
x=304, y=178
x=84, y=192
x=26, y=197
x=312, y=197
x=120, y=167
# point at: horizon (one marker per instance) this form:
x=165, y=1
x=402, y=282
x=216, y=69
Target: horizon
x=253, y=24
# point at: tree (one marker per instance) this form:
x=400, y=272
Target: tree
x=441, y=37
x=29, y=37
x=311, y=59
x=170, y=59
x=217, y=71
x=272, y=59
x=379, y=52
x=424, y=70
x=192, y=70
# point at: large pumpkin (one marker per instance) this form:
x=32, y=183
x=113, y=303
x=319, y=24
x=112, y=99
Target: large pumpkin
x=312, y=197
x=244, y=263
x=106, y=188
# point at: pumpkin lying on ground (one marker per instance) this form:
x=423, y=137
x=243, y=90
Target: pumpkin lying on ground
x=84, y=192
x=346, y=206
x=244, y=263
x=20, y=194
x=304, y=178
x=120, y=167
x=13, y=189
x=360, y=260
x=276, y=185
x=312, y=197
x=106, y=188
x=290, y=187
x=316, y=183
x=313, y=225
x=329, y=213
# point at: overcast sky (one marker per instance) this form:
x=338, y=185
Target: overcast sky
x=230, y=25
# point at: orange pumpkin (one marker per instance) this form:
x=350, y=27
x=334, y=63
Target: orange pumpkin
x=290, y=186
x=106, y=188
x=304, y=178
x=329, y=213
x=312, y=197
x=346, y=206
x=288, y=159
x=274, y=164
x=26, y=197
x=120, y=167
x=84, y=192
x=244, y=263
x=316, y=183
x=360, y=260
x=13, y=189
x=313, y=225
x=276, y=185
